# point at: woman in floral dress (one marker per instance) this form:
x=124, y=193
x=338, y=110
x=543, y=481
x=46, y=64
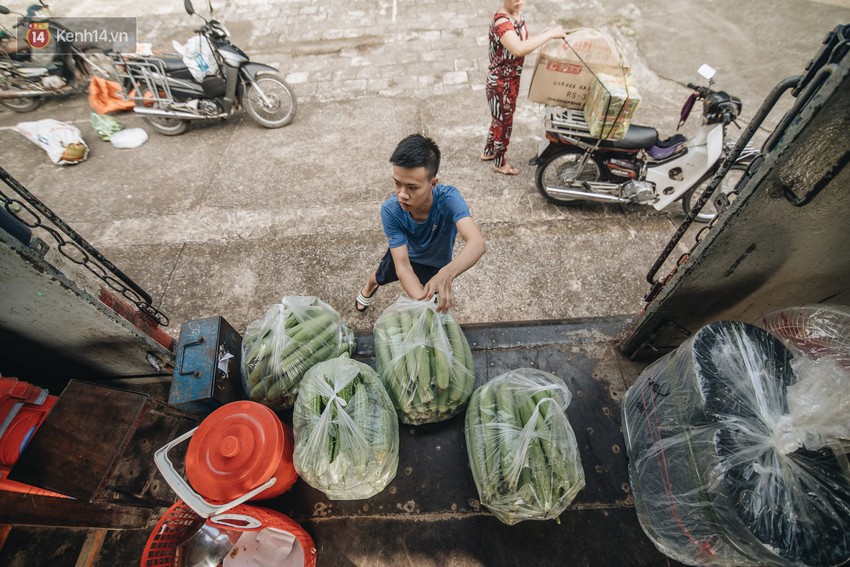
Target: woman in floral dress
x=509, y=44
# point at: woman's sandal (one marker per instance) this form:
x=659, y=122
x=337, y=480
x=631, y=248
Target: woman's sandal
x=364, y=301
x=487, y=157
x=510, y=171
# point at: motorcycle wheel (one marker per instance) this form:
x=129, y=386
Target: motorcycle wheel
x=282, y=104
x=22, y=104
x=727, y=185
x=167, y=126
x=556, y=170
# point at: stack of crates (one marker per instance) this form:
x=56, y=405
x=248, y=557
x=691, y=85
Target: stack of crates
x=611, y=105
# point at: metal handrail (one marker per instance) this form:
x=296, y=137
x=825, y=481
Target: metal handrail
x=765, y=109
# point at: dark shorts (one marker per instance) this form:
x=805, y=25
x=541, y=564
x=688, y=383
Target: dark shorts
x=386, y=271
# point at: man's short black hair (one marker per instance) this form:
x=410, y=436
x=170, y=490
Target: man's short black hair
x=417, y=151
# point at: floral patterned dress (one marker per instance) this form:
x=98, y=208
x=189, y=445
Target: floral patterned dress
x=502, y=86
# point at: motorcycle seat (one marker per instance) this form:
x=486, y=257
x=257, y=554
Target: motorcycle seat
x=173, y=62
x=636, y=138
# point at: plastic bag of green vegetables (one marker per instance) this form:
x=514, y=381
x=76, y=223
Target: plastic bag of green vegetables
x=522, y=450
x=105, y=125
x=346, y=430
x=279, y=348
x=424, y=360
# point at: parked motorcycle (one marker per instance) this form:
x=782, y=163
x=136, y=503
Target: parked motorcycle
x=573, y=166
x=27, y=76
x=168, y=95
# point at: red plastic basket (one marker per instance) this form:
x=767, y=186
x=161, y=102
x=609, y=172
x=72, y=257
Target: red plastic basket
x=179, y=523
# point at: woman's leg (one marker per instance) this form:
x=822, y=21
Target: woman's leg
x=502, y=107
x=491, y=132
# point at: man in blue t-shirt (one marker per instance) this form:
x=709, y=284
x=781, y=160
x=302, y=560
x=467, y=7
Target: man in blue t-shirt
x=421, y=219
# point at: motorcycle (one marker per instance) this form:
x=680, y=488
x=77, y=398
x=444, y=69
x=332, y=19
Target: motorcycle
x=27, y=75
x=169, y=95
x=573, y=166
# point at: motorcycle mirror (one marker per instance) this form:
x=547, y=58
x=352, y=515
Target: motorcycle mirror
x=705, y=71
x=189, y=8
x=4, y=10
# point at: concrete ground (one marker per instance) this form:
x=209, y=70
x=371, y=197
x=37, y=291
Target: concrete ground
x=229, y=217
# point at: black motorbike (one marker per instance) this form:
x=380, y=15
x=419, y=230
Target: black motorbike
x=168, y=96
x=28, y=73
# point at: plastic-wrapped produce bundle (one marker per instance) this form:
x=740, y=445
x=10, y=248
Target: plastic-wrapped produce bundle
x=820, y=332
x=522, y=450
x=424, y=360
x=279, y=348
x=714, y=477
x=346, y=430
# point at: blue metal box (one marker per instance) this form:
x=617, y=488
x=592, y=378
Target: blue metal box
x=207, y=369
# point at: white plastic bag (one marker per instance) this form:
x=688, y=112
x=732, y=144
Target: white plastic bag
x=819, y=402
x=63, y=142
x=198, y=56
x=129, y=138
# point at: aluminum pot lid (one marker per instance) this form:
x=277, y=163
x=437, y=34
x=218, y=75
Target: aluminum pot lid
x=236, y=448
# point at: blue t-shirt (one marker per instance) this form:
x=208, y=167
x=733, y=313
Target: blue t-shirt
x=429, y=242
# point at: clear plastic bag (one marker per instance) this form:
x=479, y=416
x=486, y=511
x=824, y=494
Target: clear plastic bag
x=105, y=125
x=817, y=331
x=291, y=337
x=715, y=478
x=129, y=138
x=819, y=403
x=424, y=360
x=522, y=449
x=346, y=430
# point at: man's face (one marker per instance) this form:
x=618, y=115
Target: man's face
x=413, y=188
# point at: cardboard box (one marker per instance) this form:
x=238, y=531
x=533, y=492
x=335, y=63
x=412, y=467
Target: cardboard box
x=565, y=70
x=610, y=106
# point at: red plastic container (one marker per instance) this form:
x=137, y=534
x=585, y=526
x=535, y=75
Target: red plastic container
x=240, y=452
x=23, y=408
x=180, y=523
x=21, y=428
x=238, y=447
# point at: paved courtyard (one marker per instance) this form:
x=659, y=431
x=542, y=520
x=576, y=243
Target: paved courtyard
x=229, y=217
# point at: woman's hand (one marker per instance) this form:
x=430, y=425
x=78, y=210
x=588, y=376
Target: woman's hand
x=557, y=33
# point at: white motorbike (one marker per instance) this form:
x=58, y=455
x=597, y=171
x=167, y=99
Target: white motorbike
x=572, y=165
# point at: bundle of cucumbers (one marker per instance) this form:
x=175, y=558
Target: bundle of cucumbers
x=291, y=337
x=346, y=430
x=522, y=450
x=424, y=361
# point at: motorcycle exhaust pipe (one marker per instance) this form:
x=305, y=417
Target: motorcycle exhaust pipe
x=585, y=195
x=175, y=114
x=21, y=94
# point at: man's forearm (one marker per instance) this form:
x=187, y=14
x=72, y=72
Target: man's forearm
x=468, y=257
x=410, y=282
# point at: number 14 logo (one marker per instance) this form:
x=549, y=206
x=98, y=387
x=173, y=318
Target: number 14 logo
x=38, y=34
